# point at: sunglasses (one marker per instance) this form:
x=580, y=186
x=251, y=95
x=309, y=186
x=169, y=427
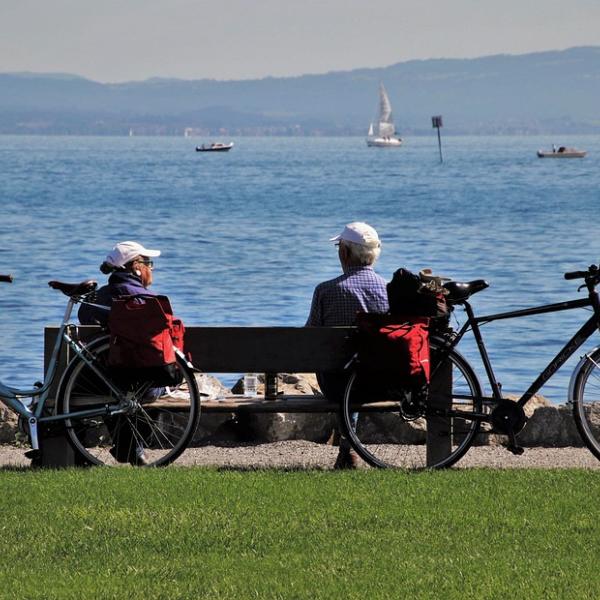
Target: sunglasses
x=146, y=261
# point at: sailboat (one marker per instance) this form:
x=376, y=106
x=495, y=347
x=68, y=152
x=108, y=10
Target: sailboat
x=382, y=132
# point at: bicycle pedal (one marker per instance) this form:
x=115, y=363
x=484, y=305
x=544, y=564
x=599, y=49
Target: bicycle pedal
x=33, y=454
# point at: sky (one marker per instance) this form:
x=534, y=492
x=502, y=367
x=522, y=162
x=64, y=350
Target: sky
x=127, y=40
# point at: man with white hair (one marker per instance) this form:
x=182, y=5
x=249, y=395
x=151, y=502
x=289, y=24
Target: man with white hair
x=336, y=303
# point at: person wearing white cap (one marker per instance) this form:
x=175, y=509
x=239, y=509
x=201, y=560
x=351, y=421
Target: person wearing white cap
x=130, y=267
x=336, y=302
x=359, y=288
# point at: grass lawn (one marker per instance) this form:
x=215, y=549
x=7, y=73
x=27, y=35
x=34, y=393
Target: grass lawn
x=201, y=533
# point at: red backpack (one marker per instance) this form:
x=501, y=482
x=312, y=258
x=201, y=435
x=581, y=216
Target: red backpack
x=143, y=337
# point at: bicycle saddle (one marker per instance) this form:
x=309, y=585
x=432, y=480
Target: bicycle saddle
x=457, y=291
x=74, y=289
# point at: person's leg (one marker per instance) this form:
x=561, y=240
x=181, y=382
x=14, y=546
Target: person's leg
x=333, y=386
x=129, y=434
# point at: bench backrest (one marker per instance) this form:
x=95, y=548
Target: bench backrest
x=254, y=349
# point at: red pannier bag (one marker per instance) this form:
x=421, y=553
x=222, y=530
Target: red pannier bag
x=395, y=344
x=143, y=337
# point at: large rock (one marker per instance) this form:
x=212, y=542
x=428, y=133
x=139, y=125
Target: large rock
x=548, y=424
x=214, y=428
x=8, y=426
x=551, y=426
x=277, y=427
x=211, y=386
x=229, y=428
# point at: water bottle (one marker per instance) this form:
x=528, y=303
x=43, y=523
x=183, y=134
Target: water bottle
x=250, y=384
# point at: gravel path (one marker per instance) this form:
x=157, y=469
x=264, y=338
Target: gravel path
x=307, y=455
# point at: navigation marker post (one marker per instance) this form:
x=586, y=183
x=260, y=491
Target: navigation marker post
x=436, y=122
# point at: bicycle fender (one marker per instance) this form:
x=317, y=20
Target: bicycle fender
x=577, y=370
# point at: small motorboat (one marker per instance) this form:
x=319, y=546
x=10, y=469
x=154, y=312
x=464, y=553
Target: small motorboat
x=561, y=152
x=215, y=147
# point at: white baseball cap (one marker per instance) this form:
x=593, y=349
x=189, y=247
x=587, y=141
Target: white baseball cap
x=125, y=252
x=359, y=233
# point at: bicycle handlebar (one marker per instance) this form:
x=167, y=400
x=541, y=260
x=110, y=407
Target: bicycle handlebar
x=576, y=275
x=6, y=278
x=592, y=273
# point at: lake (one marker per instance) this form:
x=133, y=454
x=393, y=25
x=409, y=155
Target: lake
x=244, y=234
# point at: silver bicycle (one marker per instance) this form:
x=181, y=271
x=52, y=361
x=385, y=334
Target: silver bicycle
x=107, y=421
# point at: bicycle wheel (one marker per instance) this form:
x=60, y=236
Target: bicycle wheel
x=388, y=427
x=155, y=423
x=586, y=401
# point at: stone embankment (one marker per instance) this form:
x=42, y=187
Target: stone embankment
x=549, y=425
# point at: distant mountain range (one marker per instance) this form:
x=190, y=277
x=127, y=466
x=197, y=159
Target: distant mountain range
x=543, y=92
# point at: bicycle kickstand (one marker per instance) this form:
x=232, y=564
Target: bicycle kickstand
x=35, y=451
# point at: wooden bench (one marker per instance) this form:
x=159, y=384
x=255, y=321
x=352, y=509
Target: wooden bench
x=268, y=350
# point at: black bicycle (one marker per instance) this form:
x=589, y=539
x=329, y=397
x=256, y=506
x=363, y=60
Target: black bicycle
x=389, y=427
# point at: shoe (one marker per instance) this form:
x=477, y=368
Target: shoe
x=140, y=459
x=346, y=459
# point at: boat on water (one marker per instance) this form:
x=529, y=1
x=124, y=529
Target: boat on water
x=382, y=132
x=561, y=152
x=215, y=147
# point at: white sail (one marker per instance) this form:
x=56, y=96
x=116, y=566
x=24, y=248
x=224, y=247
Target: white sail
x=386, y=129
x=383, y=132
x=385, y=119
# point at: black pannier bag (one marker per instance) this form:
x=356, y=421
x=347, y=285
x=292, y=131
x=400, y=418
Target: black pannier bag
x=417, y=295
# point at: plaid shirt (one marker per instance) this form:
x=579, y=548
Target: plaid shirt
x=336, y=302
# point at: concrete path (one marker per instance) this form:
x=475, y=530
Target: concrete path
x=308, y=455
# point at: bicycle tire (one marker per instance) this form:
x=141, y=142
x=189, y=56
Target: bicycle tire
x=586, y=402
x=391, y=438
x=157, y=425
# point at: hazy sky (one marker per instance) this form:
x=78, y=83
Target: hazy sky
x=121, y=40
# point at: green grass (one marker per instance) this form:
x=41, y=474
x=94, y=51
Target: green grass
x=197, y=533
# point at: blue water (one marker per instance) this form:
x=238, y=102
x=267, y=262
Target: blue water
x=244, y=234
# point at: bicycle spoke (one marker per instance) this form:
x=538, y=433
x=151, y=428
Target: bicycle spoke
x=146, y=423
x=424, y=432
x=586, y=402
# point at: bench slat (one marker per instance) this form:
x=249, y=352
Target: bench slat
x=254, y=349
x=269, y=349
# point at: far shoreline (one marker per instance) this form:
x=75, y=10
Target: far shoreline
x=407, y=136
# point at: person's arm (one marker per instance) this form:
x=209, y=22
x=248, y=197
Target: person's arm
x=97, y=308
x=93, y=314
x=315, y=318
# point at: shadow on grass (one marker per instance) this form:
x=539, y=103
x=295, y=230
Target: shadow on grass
x=18, y=468
x=267, y=469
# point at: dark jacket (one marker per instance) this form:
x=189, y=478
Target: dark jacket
x=119, y=284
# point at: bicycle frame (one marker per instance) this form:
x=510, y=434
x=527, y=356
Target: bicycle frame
x=576, y=341
x=12, y=397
